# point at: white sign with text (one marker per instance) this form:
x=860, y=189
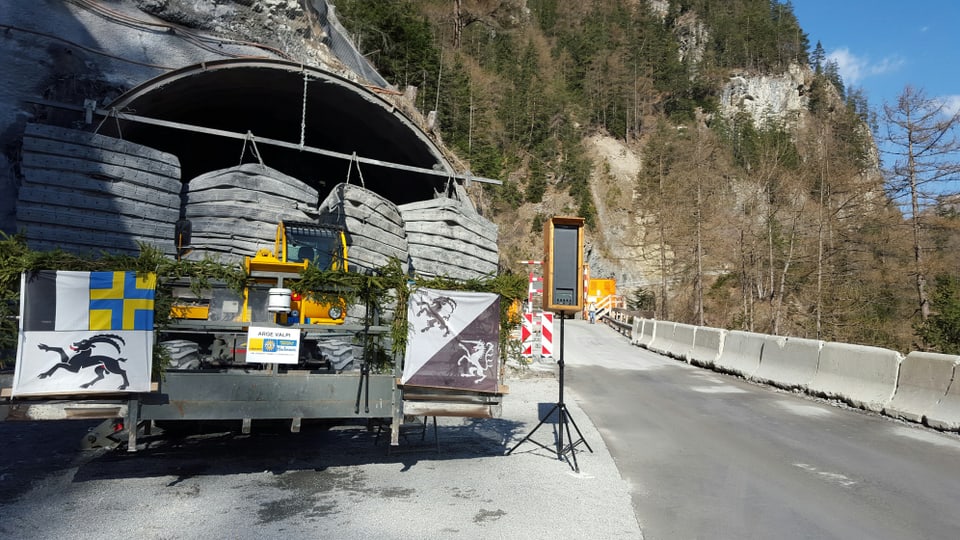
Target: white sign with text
x=273, y=345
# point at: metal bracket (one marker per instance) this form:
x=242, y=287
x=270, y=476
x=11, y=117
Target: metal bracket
x=89, y=106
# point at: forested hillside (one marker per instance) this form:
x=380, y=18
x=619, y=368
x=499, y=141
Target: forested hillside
x=785, y=225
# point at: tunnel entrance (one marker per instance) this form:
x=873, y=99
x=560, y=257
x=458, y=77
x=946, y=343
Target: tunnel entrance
x=266, y=98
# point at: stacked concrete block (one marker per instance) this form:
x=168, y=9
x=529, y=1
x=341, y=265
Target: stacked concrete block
x=446, y=237
x=374, y=227
x=87, y=193
x=339, y=353
x=235, y=211
x=184, y=354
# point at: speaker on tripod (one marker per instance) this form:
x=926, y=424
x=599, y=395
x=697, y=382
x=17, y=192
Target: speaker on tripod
x=562, y=294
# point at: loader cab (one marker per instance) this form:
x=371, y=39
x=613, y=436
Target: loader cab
x=296, y=247
x=322, y=246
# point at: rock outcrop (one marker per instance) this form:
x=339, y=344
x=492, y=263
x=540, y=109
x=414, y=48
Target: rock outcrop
x=766, y=98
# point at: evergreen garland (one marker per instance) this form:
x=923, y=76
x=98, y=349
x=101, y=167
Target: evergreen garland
x=380, y=288
x=390, y=285
x=16, y=258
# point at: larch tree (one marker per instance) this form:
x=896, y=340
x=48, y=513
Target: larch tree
x=658, y=193
x=703, y=178
x=922, y=141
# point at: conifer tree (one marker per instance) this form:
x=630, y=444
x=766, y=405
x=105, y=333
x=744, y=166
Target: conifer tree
x=817, y=59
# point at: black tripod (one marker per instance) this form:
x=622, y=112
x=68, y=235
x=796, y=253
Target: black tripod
x=563, y=421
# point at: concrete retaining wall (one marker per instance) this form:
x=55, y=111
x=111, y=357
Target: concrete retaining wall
x=862, y=376
x=946, y=413
x=924, y=381
x=707, y=344
x=788, y=362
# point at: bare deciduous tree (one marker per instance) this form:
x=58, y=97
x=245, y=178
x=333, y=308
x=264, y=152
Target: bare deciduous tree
x=922, y=140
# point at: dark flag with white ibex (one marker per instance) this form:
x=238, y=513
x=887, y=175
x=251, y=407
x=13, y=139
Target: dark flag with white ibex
x=453, y=340
x=83, y=332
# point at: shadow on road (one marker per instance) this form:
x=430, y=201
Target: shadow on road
x=35, y=450
x=315, y=448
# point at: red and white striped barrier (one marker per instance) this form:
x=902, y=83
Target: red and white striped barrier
x=546, y=334
x=531, y=290
x=586, y=290
x=526, y=335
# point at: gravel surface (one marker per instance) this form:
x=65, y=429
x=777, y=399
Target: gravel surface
x=322, y=482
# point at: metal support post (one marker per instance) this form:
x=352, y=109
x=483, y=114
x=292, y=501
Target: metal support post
x=564, y=420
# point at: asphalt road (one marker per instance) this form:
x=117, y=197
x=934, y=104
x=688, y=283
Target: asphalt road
x=709, y=455
x=334, y=482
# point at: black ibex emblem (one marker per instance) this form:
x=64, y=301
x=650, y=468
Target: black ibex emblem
x=83, y=358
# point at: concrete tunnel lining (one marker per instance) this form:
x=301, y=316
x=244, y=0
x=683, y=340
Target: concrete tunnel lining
x=265, y=97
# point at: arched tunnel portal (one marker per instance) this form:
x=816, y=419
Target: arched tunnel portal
x=267, y=98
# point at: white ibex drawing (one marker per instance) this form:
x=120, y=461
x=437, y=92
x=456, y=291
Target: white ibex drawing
x=479, y=358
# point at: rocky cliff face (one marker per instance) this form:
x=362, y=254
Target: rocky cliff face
x=621, y=248
x=618, y=249
x=692, y=35
x=767, y=98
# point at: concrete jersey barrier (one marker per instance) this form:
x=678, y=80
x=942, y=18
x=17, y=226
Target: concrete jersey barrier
x=740, y=353
x=707, y=343
x=922, y=387
x=682, y=341
x=788, y=362
x=924, y=381
x=946, y=413
x=647, y=333
x=861, y=376
x=636, y=326
x=662, y=337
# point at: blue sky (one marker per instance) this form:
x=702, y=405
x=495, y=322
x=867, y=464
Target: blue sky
x=883, y=45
